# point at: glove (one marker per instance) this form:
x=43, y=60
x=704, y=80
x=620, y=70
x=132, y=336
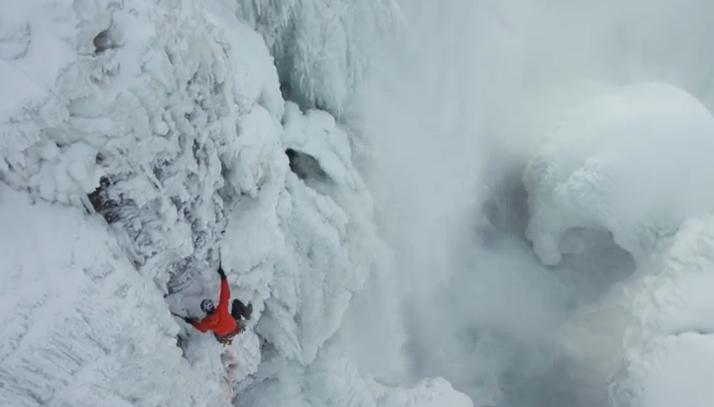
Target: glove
x=221, y=272
x=189, y=320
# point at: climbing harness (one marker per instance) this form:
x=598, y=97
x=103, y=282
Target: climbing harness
x=225, y=341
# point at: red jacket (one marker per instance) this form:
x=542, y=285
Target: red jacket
x=221, y=321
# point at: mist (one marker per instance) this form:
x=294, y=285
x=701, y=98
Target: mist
x=455, y=108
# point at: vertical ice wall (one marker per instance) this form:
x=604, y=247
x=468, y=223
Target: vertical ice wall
x=321, y=49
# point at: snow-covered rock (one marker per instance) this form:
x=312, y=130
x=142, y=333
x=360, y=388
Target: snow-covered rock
x=652, y=330
x=672, y=336
x=632, y=162
x=334, y=380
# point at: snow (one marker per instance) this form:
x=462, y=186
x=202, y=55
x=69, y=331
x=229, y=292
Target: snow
x=321, y=49
x=155, y=136
x=427, y=203
x=334, y=381
x=671, y=332
x=81, y=326
x=643, y=334
x=631, y=162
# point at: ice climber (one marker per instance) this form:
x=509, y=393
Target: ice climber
x=224, y=325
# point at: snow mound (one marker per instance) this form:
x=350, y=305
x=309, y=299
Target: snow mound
x=673, y=359
x=653, y=329
x=673, y=336
x=634, y=162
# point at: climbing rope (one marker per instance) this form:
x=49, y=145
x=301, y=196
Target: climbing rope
x=229, y=362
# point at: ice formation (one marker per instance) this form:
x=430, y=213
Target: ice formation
x=631, y=162
x=140, y=141
x=137, y=137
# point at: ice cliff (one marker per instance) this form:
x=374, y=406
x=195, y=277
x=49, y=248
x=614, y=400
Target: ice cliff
x=138, y=138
